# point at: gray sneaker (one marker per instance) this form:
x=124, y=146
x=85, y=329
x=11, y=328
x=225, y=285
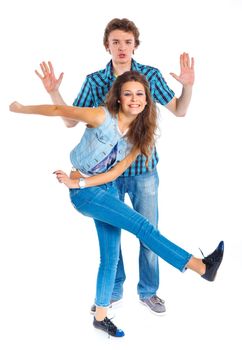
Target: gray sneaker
x=155, y=304
x=112, y=304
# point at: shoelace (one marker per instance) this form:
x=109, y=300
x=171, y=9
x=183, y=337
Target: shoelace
x=109, y=324
x=201, y=252
x=210, y=258
x=157, y=300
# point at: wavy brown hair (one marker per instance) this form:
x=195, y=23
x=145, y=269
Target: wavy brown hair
x=123, y=24
x=142, y=130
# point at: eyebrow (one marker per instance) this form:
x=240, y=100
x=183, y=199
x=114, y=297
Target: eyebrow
x=124, y=40
x=135, y=91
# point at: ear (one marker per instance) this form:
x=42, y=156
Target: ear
x=107, y=49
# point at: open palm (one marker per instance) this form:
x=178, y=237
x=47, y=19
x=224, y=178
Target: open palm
x=187, y=75
x=48, y=78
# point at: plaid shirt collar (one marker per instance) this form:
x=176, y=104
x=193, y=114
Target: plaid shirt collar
x=108, y=73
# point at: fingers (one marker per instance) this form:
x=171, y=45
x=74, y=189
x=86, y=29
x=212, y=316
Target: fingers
x=59, y=172
x=38, y=74
x=51, y=67
x=15, y=106
x=51, y=71
x=60, y=78
x=47, y=69
x=192, y=63
x=185, y=61
x=175, y=76
x=61, y=176
x=12, y=106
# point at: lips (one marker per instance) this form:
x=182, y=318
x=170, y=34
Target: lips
x=134, y=106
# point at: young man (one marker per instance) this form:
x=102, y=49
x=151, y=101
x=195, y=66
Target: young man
x=121, y=38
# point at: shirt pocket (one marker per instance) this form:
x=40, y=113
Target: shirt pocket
x=101, y=137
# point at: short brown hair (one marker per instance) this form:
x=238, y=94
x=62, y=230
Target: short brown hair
x=123, y=24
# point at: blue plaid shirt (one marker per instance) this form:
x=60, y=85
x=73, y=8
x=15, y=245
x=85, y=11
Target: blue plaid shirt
x=97, y=85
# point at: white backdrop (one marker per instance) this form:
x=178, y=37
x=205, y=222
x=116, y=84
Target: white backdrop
x=48, y=252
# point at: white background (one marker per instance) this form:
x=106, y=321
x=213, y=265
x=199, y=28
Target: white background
x=48, y=252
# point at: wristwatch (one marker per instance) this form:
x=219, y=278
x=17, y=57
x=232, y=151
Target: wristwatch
x=82, y=182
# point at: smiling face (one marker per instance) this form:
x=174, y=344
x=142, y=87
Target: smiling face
x=121, y=46
x=132, y=98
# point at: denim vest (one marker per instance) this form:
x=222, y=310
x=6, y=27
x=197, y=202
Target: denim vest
x=97, y=143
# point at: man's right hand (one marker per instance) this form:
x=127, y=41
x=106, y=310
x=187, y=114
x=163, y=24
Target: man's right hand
x=52, y=84
x=48, y=78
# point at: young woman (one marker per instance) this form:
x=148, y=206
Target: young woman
x=114, y=136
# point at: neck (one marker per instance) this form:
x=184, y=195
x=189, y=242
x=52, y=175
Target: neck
x=120, y=68
x=124, y=121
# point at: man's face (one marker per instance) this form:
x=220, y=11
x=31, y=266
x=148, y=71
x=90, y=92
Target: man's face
x=121, y=46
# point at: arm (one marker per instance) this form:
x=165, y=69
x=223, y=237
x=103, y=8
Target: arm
x=115, y=172
x=92, y=116
x=179, y=106
x=100, y=179
x=52, y=84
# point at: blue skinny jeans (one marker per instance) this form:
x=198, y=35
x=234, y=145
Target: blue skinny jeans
x=102, y=204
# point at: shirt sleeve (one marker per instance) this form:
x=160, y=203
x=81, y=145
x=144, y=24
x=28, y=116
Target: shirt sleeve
x=162, y=92
x=84, y=98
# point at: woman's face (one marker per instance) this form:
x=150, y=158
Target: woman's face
x=132, y=98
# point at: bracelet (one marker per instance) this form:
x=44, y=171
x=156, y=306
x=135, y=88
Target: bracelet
x=82, y=183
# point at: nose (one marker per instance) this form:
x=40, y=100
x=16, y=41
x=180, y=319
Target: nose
x=133, y=97
x=121, y=46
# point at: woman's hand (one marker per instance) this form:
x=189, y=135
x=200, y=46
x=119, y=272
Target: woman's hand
x=66, y=180
x=16, y=107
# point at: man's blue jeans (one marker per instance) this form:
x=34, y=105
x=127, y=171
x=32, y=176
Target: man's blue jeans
x=143, y=193
x=101, y=204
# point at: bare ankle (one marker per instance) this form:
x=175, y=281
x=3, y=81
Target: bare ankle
x=196, y=265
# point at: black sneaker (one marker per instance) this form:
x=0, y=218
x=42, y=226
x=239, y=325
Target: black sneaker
x=107, y=326
x=213, y=262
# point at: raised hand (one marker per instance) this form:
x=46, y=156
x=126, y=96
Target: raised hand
x=48, y=78
x=187, y=75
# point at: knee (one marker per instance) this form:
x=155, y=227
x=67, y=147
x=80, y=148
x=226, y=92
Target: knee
x=109, y=261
